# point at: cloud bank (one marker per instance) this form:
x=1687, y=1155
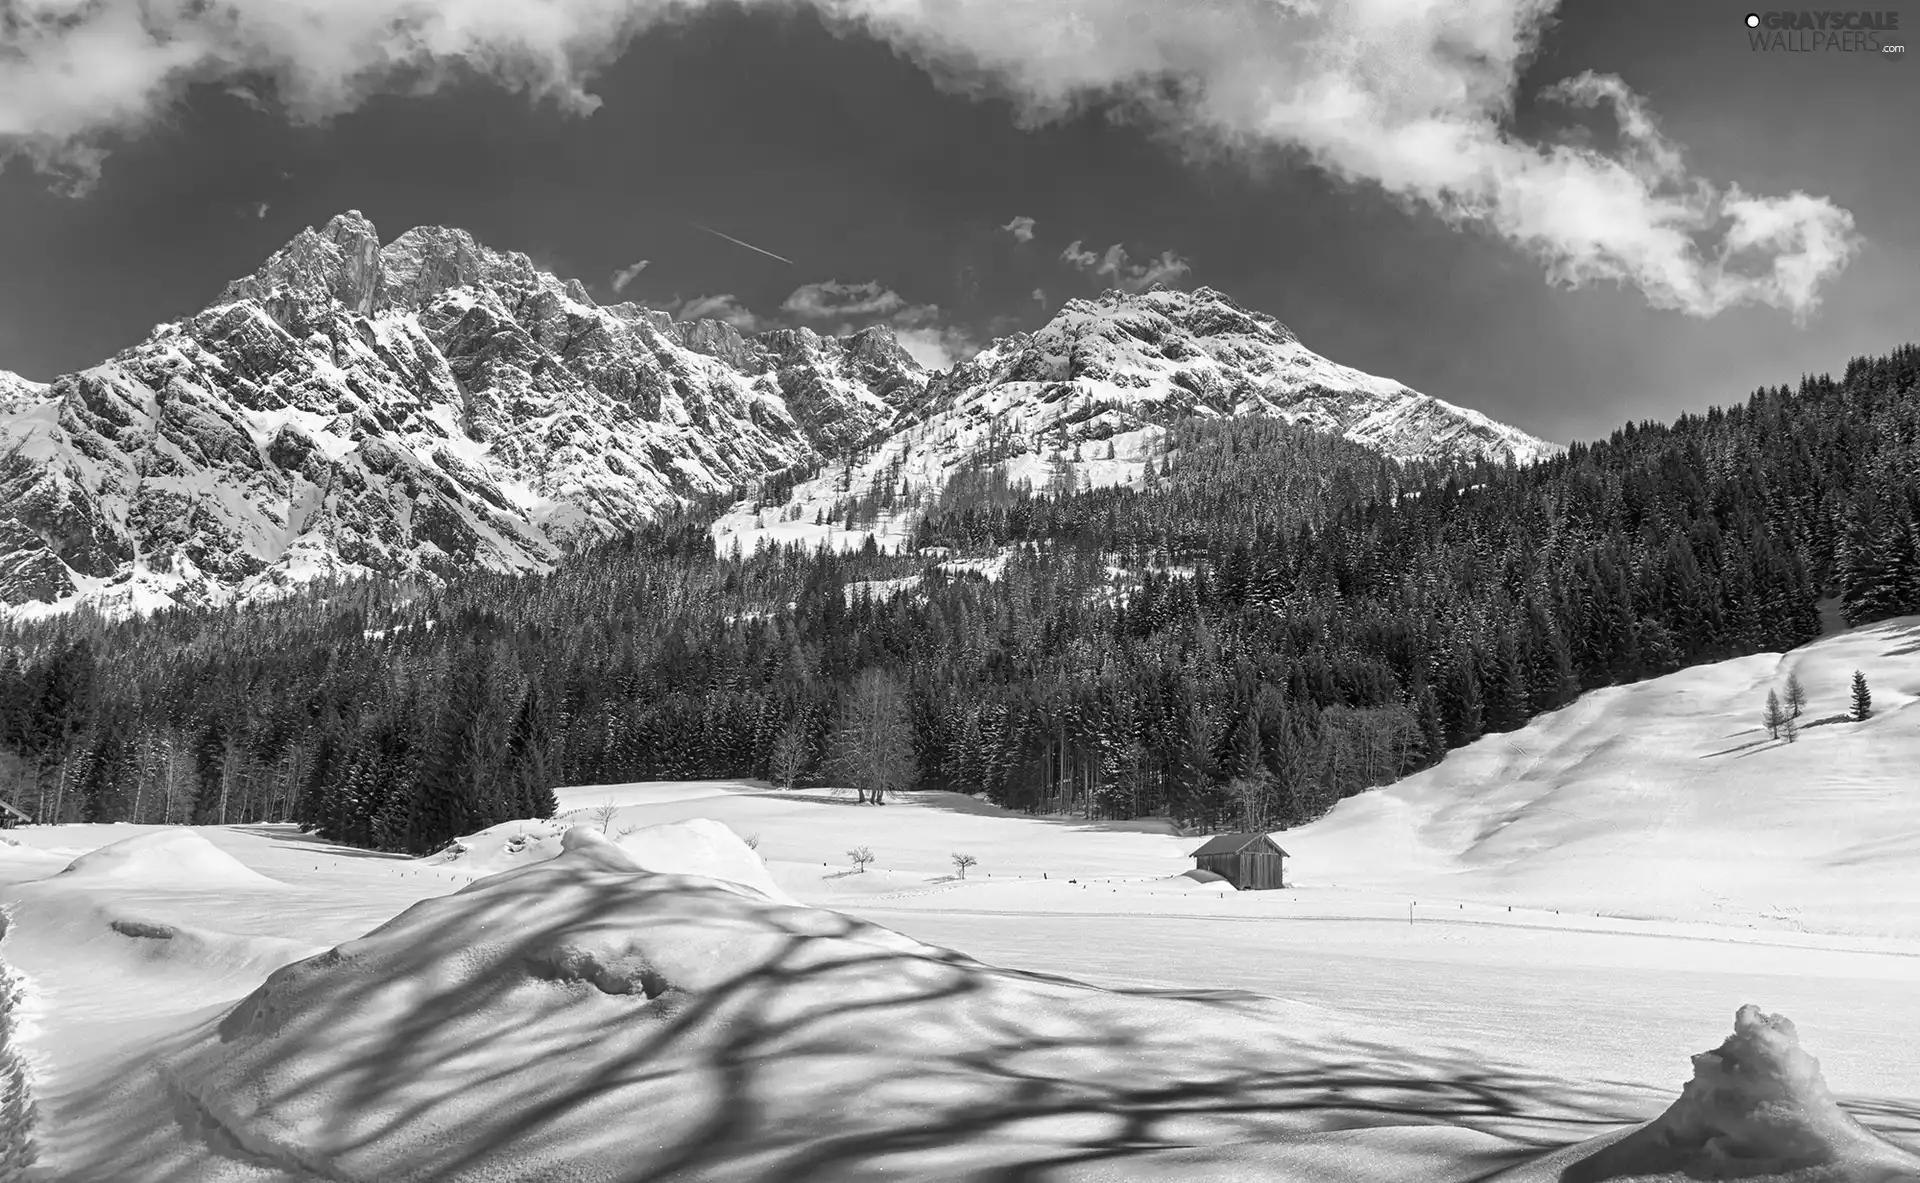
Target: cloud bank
x=1408, y=95
x=1021, y=228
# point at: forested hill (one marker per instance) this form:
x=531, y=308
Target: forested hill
x=1278, y=620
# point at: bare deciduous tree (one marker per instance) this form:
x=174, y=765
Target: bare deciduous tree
x=872, y=747
x=604, y=814
x=962, y=861
x=788, y=760
x=860, y=856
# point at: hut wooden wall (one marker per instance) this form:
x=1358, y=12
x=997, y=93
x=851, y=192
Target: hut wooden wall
x=1254, y=871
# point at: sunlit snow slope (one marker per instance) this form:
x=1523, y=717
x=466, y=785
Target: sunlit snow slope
x=1668, y=799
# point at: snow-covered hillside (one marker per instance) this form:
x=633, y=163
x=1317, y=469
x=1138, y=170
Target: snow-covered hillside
x=348, y=1016
x=1086, y=402
x=1667, y=799
x=1494, y=970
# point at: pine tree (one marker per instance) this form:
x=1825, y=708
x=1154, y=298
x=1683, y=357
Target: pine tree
x=1862, y=697
x=1796, y=699
x=1774, y=717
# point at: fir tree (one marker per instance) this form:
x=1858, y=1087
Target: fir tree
x=1862, y=697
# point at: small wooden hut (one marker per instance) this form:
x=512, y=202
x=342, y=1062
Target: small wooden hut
x=1251, y=862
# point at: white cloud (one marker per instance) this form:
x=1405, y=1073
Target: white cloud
x=1021, y=228
x=627, y=275
x=1410, y=95
x=1130, y=277
x=937, y=347
x=921, y=329
x=1040, y=297
x=260, y=209
x=723, y=307
x=833, y=299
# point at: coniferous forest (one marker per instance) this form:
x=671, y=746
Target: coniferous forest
x=1275, y=621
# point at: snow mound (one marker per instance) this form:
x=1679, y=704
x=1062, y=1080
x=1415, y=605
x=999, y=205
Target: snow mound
x=166, y=856
x=700, y=846
x=520, y=1028
x=138, y=943
x=504, y=846
x=1757, y=1109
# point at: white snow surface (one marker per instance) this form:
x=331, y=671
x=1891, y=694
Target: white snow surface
x=178, y=856
x=1432, y=1000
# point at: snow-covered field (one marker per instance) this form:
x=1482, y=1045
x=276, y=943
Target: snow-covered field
x=1499, y=965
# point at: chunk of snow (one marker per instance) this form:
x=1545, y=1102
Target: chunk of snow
x=1757, y=1109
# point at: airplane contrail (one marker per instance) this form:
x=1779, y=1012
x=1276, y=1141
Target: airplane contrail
x=748, y=245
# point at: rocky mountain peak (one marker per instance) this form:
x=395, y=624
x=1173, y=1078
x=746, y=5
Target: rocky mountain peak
x=434, y=406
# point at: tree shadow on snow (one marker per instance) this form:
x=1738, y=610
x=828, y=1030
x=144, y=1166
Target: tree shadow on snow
x=304, y=841
x=974, y=807
x=838, y=1052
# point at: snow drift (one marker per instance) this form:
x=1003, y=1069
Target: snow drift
x=584, y=1016
x=164, y=856
x=697, y=846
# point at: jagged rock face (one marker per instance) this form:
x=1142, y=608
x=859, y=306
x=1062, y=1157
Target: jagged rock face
x=430, y=406
x=1124, y=361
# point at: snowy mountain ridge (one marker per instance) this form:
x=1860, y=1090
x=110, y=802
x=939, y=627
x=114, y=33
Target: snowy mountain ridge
x=1086, y=401
x=431, y=406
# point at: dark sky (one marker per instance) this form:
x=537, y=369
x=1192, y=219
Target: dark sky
x=844, y=157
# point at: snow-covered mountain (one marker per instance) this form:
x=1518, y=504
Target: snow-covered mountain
x=433, y=406
x=1088, y=398
x=427, y=406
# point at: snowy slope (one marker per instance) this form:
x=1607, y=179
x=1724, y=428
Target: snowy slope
x=1667, y=799
x=1087, y=399
x=581, y=1010
x=1495, y=969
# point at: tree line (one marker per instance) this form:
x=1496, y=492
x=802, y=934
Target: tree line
x=1270, y=621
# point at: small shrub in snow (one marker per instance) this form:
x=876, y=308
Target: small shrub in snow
x=860, y=856
x=604, y=815
x=752, y=841
x=962, y=861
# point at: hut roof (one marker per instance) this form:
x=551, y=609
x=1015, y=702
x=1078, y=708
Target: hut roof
x=1236, y=844
x=15, y=812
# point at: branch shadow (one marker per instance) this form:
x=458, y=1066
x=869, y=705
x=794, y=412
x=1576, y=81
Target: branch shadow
x=562, y=1019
